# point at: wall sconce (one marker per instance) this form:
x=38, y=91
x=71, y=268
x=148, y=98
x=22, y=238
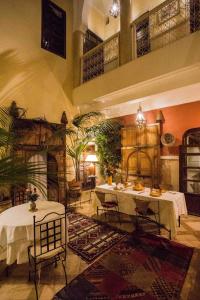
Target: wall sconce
x=140, y=119
x=115, y=9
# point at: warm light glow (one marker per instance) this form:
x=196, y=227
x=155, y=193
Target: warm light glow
x=91, y=158
x=140, y=119
x=115, y=9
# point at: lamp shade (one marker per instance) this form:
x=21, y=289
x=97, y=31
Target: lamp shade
x=91, y=158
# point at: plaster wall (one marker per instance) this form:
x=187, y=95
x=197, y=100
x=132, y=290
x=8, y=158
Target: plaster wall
x=112, y=27
x=139, y=7
x=96, y=21
x=36, y=79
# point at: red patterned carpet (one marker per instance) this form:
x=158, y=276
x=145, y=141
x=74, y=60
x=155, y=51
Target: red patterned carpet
x=89, y=238
x=142, y=266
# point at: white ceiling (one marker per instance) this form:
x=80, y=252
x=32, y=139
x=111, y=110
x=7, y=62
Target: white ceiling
x=102, y=5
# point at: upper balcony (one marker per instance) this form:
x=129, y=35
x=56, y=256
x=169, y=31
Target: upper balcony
x=165, y=55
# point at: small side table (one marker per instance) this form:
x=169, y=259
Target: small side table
x=75, y=194
x=92, y=180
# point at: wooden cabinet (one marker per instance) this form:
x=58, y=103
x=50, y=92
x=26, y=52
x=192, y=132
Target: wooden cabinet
x=35, y=137
x=190, y=169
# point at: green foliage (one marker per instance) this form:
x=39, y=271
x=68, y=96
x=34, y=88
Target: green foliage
x=109, y=148
x=79, y=133
x=85, y=128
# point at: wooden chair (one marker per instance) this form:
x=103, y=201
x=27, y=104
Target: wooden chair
x=108, y=205
x=49, y=244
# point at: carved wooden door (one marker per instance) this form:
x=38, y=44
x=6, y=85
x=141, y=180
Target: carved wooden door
x=141, y=153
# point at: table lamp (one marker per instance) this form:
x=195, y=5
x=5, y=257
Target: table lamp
x=92, y=158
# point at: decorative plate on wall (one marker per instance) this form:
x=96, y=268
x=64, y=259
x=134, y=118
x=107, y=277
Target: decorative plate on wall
x=168, y=139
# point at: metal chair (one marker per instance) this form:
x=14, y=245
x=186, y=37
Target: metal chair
x=143, y=211
x=107, y=206
x=49, y=244
x=19, y=197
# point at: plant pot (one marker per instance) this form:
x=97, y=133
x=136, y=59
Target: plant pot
x=109, y=180
x=33, y=206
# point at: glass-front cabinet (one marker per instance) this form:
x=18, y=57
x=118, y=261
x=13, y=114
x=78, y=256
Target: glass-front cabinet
x=190, y=169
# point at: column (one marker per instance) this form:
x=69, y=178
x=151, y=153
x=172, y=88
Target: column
x=125, y=44
x=78, y=38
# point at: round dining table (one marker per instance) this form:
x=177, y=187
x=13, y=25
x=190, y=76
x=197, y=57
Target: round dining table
x=16, y=229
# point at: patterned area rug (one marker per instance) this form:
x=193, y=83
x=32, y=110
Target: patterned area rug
x=90, y=238
x=143, y=266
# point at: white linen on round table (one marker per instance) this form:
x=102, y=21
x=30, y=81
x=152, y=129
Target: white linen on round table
x=16, y=229
x=171, y=204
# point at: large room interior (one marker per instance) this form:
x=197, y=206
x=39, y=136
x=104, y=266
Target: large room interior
x=99, y=149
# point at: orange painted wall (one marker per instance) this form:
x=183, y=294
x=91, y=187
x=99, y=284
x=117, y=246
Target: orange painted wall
x=178, y=119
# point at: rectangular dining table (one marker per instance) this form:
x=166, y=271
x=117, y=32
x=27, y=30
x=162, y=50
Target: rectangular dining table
x=171, y=204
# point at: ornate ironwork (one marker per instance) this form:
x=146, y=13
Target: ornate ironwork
x=111, y=50
x=102, y=58
x=194, y=15
x=142, y=37
x=168, y=22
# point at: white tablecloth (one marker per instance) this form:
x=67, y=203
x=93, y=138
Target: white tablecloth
x=16, y=229
x=171, y=204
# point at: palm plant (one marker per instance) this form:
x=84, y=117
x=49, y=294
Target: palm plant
x=109, y=149
x=15, y=170
x=83, y=129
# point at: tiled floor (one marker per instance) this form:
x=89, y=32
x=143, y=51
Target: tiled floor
x=17, y=287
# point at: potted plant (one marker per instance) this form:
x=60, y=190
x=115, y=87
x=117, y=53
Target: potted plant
x=32, y=197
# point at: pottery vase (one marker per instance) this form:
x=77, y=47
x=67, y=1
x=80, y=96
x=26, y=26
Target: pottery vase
x=32, y=206
x=109, y=180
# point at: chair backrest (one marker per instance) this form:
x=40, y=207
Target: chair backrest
x=105, y=197
x=101, y=196
x=19, y=197
x=50, y=233
x=142, y=205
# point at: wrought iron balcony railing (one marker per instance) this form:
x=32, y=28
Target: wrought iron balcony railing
x=168, y=22
x=100, y=59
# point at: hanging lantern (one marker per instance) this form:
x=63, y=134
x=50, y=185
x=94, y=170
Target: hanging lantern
x=115, y=9
x=140, y=119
